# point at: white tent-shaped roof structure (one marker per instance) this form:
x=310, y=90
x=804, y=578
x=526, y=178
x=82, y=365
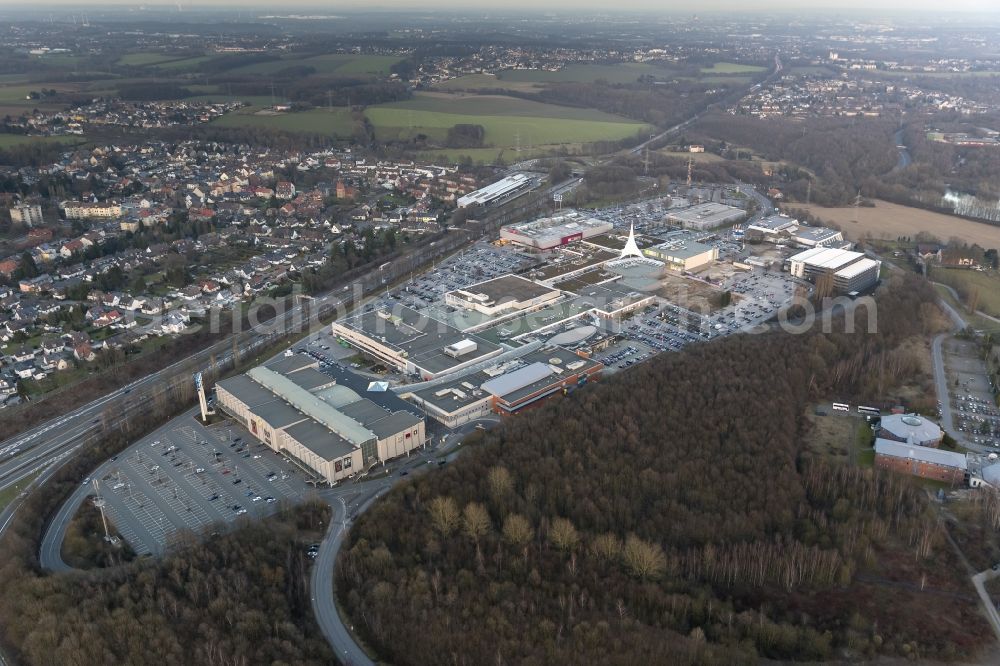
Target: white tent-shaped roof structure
x=631, y=249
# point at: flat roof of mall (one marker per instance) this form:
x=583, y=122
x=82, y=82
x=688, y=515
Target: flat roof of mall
x=564, y=224
x=247, y=390
x=615, y=240
x=511, y=385
x=507, y=288
x=706, y=213
x=321, y=441
x=685, y=249
x=423, y=339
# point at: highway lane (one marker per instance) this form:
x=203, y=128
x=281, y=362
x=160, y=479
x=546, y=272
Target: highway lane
x=75, y=428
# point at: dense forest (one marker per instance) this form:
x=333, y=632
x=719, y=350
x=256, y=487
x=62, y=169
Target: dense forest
x=841, y=154
x=667, y=515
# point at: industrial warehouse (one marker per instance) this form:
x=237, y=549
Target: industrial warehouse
x=850, y=271
x=299, y=411
x=505, y=388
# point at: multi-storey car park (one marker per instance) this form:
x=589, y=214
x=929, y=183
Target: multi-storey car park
x=851, y=271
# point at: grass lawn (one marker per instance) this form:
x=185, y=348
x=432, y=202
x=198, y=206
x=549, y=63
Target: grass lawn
x=732, y=68
x=346, y=64
x=323, y=121
x=507, y=120
x=865, y=444
x=988, y=284
x=975, y=321
x=7, y=495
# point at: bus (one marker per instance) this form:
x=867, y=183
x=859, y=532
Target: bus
x=869, y=411
x=841, y=407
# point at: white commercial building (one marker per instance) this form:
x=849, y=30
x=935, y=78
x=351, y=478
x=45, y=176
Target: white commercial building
x=502, y=190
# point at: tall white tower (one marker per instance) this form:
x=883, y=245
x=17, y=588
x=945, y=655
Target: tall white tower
x=202, y=402
x=631, y=249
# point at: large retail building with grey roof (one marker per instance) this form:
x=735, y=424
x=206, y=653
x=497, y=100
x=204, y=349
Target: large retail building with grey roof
x=506, y=387
x=332, y=429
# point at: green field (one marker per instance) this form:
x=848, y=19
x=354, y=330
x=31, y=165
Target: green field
x=345, y=64
x=183, y=63
x=481, y=155
x=508, y=121
x=146, y=58
x=487, y=82
x=17, y=94
x=732, y=68
x=626, y=72
x=322, y=121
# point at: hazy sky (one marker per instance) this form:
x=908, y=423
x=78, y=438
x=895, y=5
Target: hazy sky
x=672, y=6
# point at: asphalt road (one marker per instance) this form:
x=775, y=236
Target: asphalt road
x=321, y=582
x=979, y=580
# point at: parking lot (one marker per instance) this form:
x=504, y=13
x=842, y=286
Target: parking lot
x=975, y=414
x=188, y=477
x=481, y=262
x=669, y=327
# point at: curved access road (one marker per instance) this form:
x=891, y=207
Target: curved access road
x=321, y=583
